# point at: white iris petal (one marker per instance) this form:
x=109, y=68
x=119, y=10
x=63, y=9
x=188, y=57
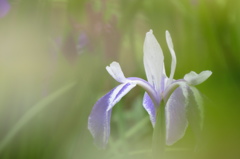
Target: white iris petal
x=153, y=60
x=174, y=59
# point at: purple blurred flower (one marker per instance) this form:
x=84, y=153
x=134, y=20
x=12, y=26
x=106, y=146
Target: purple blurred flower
x=178, y=95
x=72, y=46
x=102, y=32
x=82, y=42
x=4, y=8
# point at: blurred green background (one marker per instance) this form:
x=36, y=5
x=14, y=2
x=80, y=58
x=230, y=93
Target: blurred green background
x=53, y=55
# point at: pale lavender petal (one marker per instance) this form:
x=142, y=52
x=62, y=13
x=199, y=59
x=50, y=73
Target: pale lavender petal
x=176, y=119
x=195, y=111
x=99, y=119
x=150, y=108
x=172, y=86
x=4, y=8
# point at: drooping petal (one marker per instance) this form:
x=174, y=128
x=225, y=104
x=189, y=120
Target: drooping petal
x=174, y=59
x=150, y=108
x=176, y=119
x=195, y=110
x=153, y=60
x=99, y=119
x=4, y=7
x=119, y=92
x=116, y=72
x=194, y=79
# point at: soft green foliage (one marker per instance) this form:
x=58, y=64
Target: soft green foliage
x=43, y=115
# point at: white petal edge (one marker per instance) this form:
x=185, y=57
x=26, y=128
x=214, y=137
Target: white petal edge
x=174, y=59
x=116, y=72
x=153, y=60
x=194, y=79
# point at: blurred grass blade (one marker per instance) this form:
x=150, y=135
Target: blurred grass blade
x=130, y=133
x=33, y=111
x=134, y=130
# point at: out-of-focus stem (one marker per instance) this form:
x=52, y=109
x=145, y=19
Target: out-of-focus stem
x=159, y=134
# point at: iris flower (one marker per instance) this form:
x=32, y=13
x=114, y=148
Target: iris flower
x=181, y=99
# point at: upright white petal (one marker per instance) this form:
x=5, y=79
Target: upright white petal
x=174, y=59
x=194, y=79
x=153, y=60
x=116, y=72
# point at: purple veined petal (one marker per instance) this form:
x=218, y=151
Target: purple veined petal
x=119, y=92
x=195, y=110
x=153, y=60
x=150, y=108
x=4, y=8
x=99, y=119
x=176, y=119
x=194, y=79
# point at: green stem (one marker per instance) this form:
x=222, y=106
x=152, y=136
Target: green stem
x=159, y=134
